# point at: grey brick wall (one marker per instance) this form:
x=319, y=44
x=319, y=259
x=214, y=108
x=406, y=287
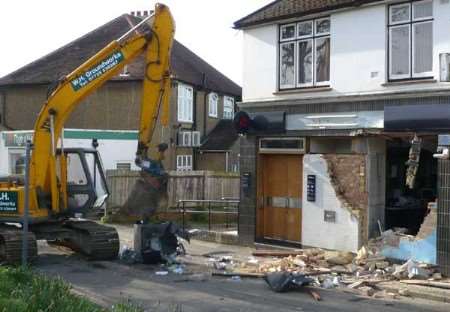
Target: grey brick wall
x=247, y=208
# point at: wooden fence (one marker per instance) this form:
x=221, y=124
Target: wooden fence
x=203, y=185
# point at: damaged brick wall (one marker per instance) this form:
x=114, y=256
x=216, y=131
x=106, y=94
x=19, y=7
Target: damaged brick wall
x=348, y=178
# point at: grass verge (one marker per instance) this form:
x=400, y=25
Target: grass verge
x=22, y=290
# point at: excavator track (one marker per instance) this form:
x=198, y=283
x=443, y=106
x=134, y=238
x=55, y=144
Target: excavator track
x=96, y=241
x=11, y=245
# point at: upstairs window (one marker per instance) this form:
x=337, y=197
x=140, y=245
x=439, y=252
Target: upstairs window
x=304, y=59
x=213, y=103
x=411, y=40
x=228, y=107
x=185, y=103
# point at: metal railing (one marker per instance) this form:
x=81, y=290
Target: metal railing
x=226, y=207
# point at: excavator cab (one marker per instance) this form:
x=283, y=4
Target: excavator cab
x=86, y=180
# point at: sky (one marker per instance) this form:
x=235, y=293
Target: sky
x=30, y=29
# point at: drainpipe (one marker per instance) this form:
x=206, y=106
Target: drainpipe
x=226, y=161
x=206, y=111
x=3, y=101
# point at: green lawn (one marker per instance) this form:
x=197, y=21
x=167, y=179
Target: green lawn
x=22, y=290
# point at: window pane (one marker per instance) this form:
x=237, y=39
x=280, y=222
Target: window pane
x=399, y=47
x=400, y=13
x=287, y=32
x=287, y=69
x=305, y=29
x=323, y=59
x=322, y=26
x=423, y=9
x=423, y=47
x=305, y=62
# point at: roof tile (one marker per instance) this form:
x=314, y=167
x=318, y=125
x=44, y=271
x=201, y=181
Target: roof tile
x=186, y=65
x=281, y=9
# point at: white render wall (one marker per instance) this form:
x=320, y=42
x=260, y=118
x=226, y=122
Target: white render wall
x=358, y=55
x=315, y=231
x=260, y=63
x=112, y=151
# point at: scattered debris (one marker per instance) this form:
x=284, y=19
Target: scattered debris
x=161, y=273
x=285, y=281
x=315, y=295
x=128, y=255
x=159, y=243
x=404, y=292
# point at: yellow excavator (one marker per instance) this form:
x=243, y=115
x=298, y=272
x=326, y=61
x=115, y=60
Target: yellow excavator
x=66, y=181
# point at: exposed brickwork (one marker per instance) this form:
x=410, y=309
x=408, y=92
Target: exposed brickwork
x=348, y=177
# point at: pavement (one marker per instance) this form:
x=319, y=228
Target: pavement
x=110, y=282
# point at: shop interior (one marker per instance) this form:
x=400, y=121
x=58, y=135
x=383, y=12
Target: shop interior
x=407, y=207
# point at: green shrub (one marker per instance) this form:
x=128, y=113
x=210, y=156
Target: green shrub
x=22, y=290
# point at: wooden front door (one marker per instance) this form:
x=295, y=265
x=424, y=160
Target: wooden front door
x=281, y=191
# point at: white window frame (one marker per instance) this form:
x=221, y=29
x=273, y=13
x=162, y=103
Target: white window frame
x=185, y=138
x=411, y=22
x=195, y=138
x=287, y=86
x=184, y=162
x=285, y=26
x=185, y=104
x=399, y=76
x=226, y=107
x=297, y=40
x=213, y=104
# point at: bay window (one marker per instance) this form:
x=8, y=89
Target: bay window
x=304, y=54
x=411, y=40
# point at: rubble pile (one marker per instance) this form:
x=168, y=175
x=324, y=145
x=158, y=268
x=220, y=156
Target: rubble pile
x=360, y=273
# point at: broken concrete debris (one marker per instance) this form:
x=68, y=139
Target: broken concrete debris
x=361, y=273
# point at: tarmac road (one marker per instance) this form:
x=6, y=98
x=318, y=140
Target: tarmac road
x=111, y=282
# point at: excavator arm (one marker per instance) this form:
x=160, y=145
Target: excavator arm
x=152, y=37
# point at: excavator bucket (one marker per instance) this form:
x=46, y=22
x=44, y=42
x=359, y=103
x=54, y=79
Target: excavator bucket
x=148, y=196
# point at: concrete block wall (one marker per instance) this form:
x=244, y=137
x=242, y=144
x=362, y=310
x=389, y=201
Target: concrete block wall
x=344, y=233
x=247, y=207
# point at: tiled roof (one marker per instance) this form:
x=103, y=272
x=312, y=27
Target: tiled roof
x=282, y=9
x=221, y=138
x=186, y=65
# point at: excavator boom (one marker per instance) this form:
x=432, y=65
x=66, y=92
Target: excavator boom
x=52, y=198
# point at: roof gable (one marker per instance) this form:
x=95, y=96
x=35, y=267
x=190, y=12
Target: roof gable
x=186, y=65
x=283, y=9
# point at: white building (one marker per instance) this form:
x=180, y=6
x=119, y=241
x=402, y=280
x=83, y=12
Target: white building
x=117, y=148
x=346, y=85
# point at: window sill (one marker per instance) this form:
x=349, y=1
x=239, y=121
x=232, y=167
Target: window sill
x=303, y=90
x=408, y=82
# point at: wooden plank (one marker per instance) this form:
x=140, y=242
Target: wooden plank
x=231, y=274
x=427, y=283
x=277, y=253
